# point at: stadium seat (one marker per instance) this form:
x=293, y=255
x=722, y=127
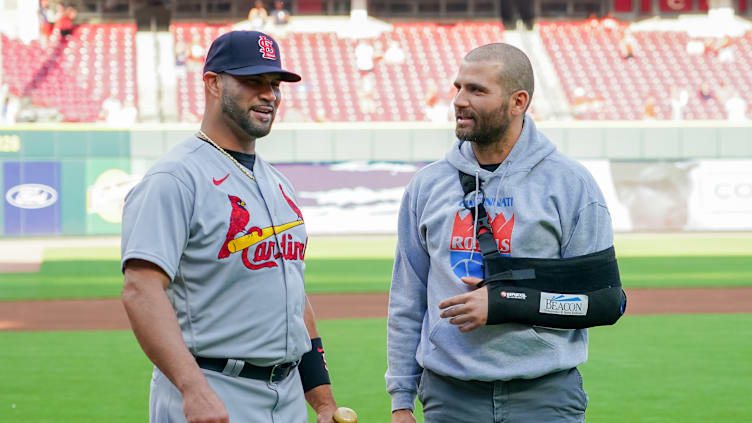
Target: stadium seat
x=76, y=74
x=589, y=58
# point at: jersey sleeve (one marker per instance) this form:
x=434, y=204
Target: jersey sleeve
x=156, y=222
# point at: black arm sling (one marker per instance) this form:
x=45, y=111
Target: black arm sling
x=570, y=293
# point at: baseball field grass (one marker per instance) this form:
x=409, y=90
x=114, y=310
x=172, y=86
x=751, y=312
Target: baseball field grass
x=663, y=369
x=364, y=264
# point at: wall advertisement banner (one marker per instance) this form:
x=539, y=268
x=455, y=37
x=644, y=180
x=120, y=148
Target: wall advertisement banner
x=31, y=198
x=108, y=181
x=364, y=198
x=702, y=195
x=350, y=197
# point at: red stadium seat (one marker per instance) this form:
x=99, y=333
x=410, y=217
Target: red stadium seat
x=77, y=74
x=331, y=79
x=580, y=52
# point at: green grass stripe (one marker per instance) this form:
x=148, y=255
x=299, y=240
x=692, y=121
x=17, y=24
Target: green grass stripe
x=56, y=377
x=102, y=278
x=382, y=246
x=657, y=369
x=683, y=244
x=683, y=368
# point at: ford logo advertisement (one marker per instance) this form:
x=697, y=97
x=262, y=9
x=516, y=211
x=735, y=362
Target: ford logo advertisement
x=31, y=196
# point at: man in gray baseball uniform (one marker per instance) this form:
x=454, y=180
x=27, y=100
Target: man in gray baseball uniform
x=212, y=251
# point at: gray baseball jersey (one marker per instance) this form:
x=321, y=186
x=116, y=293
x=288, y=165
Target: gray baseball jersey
x=233, y=249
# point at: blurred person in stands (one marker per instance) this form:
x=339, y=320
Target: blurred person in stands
x=47, y=18
x=196, y=53
x=524, y=8
x=627, y=45
x=721, y=48
x=609, y=22
x=8, y=106
x=110, y=110
x=129, y=114
x=4, y=109
x=367, y=93
x=736, y=108
x=705, y=93
x=726, y=50
x=592, y=22
x=364, y=55
x=320, y=116
x=679, y=100
x=585, y=102
x=436, y=109
x=649, y=112
x=64, y=23
x=258, y=15
x=181, y=59
x=394, y=55
x=280, y=15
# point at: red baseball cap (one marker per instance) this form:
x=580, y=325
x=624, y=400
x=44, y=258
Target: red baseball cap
x=246, y=53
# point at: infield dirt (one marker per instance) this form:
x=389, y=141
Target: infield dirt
x=108, y=314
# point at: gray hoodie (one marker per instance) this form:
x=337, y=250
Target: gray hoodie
x=540, y=204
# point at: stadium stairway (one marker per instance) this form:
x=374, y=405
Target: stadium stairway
x=157, y=77
x=146, y=66
x=549, y=97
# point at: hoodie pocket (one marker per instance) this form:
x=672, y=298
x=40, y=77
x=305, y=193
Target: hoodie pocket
x=510, y=339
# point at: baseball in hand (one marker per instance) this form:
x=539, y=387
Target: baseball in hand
x=345, y=415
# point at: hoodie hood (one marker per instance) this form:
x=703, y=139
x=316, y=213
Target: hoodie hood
x=529, y=150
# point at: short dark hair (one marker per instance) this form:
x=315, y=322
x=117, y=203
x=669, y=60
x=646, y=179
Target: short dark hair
x=516, y=70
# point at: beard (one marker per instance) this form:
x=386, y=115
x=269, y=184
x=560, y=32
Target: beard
x=232, y=110
x=487, y=129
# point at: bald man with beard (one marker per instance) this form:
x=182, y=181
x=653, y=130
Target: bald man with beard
x=540, y=204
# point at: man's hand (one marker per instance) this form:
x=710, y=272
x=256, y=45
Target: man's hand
x=322, y=401
x=403, y=416
x=325, y=414
x=202, y=405
x=468, y=311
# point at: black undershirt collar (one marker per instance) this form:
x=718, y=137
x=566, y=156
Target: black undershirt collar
x=491, y=167
x=247, y=160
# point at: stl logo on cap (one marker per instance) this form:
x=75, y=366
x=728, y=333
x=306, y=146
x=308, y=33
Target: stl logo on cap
x=267, y=48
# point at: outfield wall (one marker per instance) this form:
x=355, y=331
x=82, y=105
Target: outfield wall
x=71, y=179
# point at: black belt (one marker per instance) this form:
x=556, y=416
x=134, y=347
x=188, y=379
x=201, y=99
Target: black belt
x=270, y=374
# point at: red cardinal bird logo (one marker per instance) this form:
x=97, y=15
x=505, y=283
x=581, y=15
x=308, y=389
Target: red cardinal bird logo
x=239, y=239
x=238, y=220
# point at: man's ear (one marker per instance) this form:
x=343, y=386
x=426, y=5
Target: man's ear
x=213, y=84
x=519, y=102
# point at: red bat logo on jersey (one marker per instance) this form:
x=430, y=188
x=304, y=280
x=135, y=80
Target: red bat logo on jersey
x=463, y=238
x=463, y=248
x=239, y=239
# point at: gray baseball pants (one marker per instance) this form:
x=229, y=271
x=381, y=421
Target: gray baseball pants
x=553, y=398
x=246, y=400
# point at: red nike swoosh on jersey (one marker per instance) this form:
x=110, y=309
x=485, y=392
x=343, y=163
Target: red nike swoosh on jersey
x=218, y=182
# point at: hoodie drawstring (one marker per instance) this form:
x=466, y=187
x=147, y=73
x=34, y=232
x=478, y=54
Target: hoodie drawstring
x=477, y=193
x=475, y=221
